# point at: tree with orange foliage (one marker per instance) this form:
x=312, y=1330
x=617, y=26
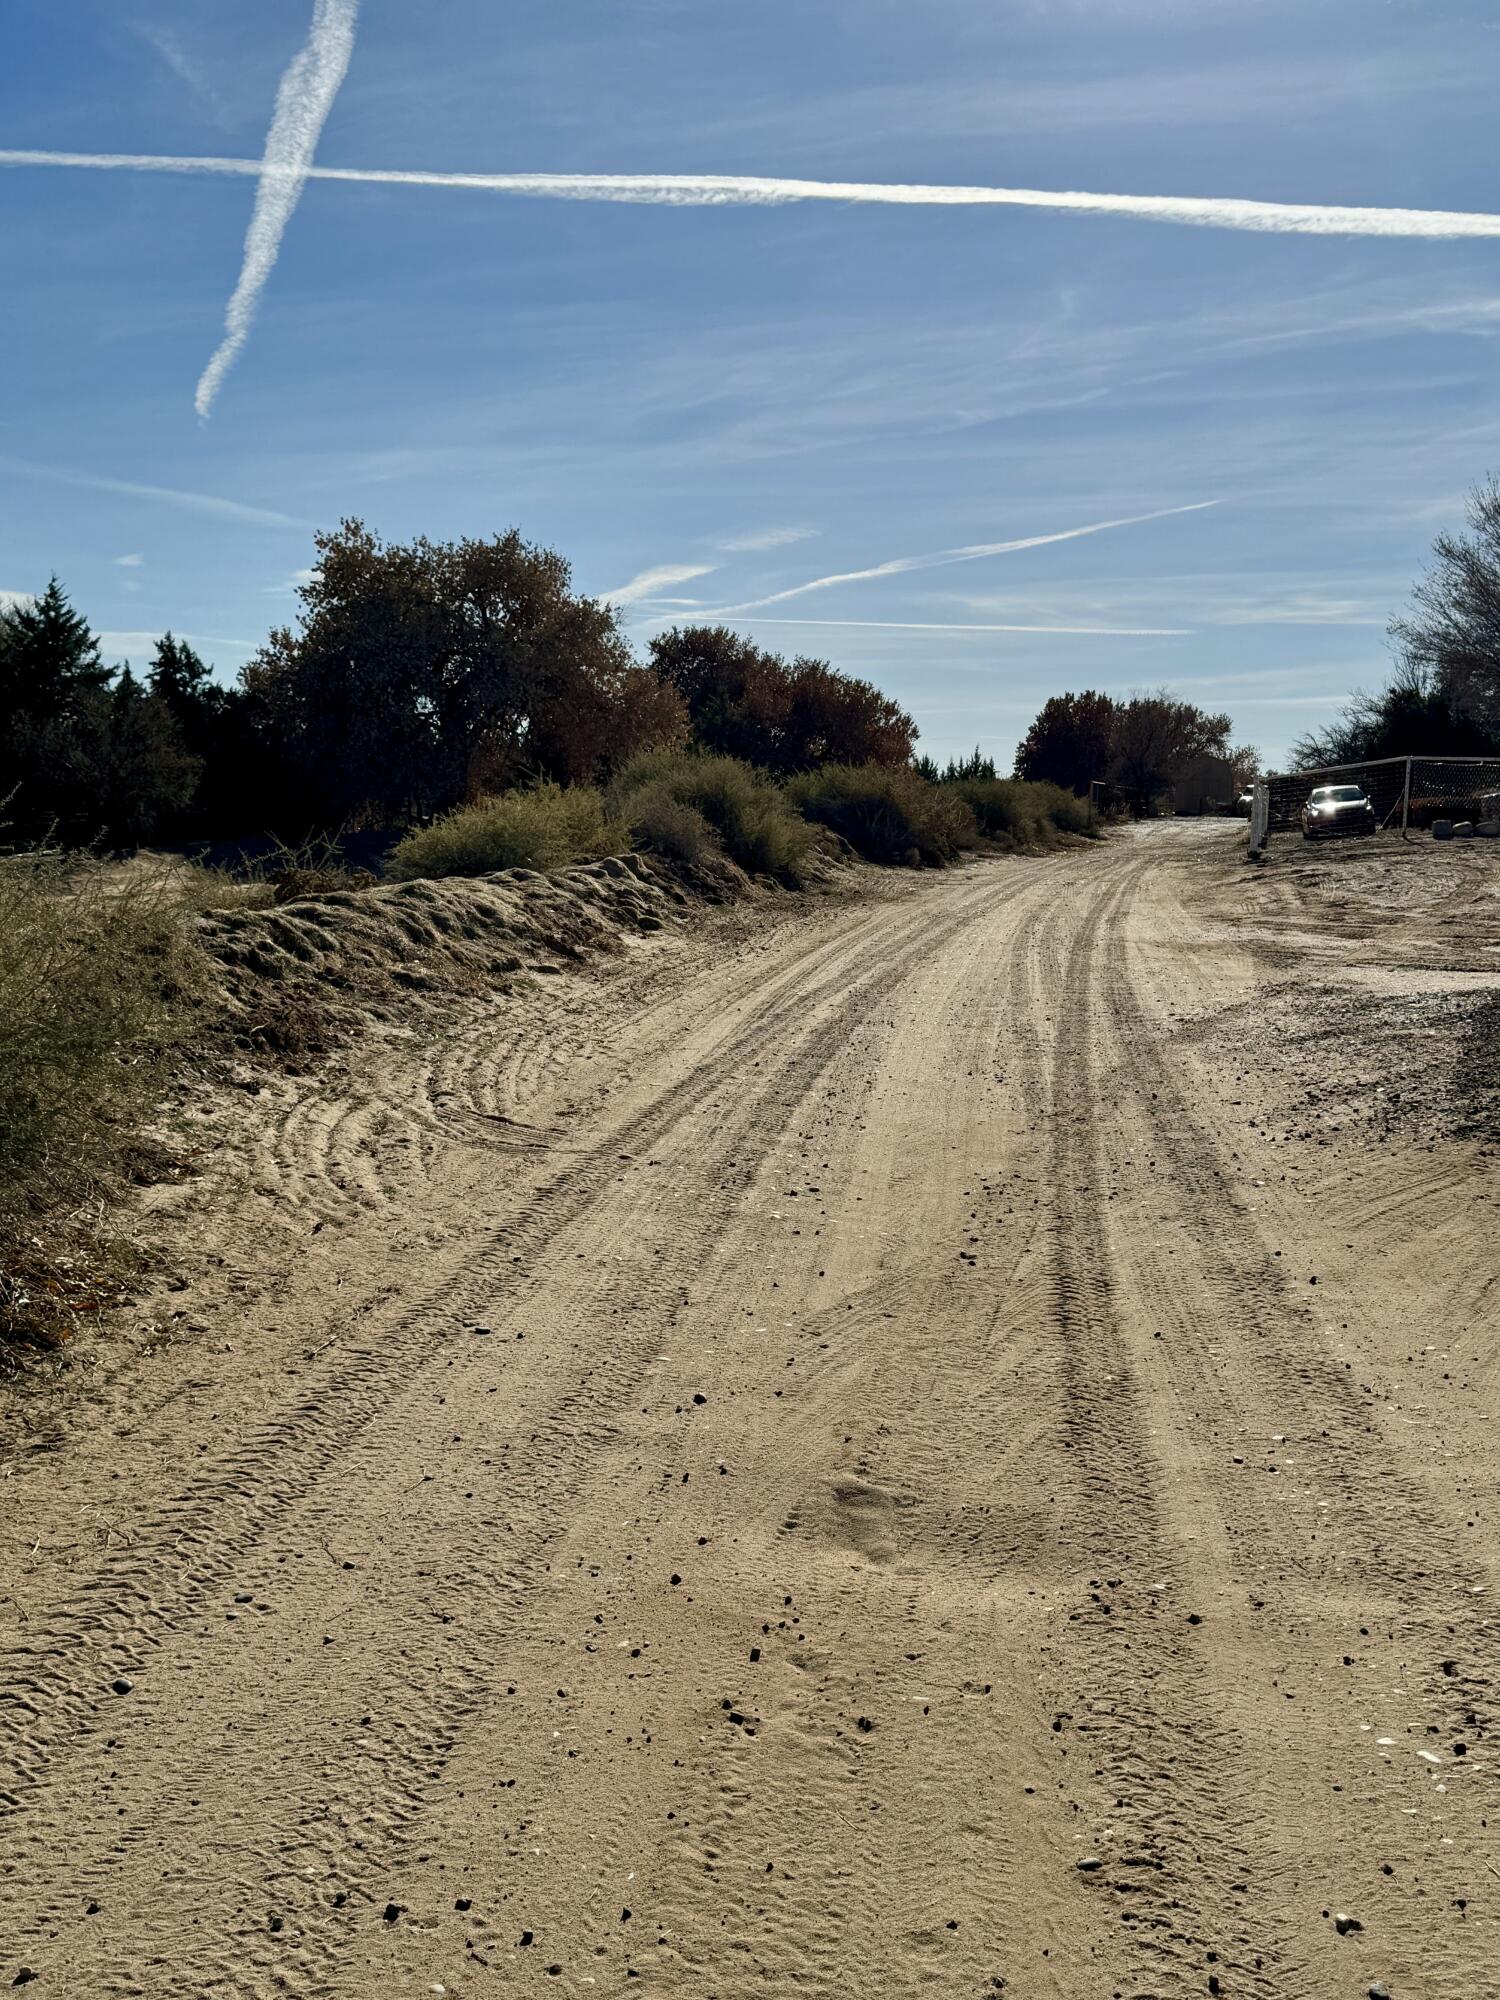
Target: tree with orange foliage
x=743, y=702
x=423, y=673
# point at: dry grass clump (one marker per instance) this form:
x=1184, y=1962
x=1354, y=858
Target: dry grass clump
x=97, y=975
x=550, y=827
x=753, y=822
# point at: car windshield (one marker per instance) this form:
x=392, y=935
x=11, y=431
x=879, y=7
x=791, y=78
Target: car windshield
x=1336, y=795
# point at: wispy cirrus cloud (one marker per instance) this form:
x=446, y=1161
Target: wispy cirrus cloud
x=283, y=179
x=652, y=582
x=974, y=552
x=303, y=102
x=1084, y=95
x=136, y=645
x=292, y=584
x=187, y=72
x=169, y=496
x=128, y=562
x=1206, y=598
x=946, y=625
x=767, y=538
x=1306, y=608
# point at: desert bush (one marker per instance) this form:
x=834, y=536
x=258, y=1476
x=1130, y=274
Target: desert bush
x=550, y=827
x=97, y=975
x=1005, y=810
x=661, y=824
x=751, y=818
x=1017, y=813
x=894, y=816
x=1066, y=811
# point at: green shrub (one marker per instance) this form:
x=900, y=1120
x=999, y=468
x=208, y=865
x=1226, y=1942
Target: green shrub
x=1018, y=813
x=1066, y=810
x=1004, y=809
x=890, y=814
x=546, y=828
x=662, y=824
x=753, y=821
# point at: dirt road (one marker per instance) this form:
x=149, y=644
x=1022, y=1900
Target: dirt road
x=888, y=1457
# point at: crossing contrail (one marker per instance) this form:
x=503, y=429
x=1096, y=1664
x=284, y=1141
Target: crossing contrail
x=973, y=552
x=305, y=98
x=742, y=190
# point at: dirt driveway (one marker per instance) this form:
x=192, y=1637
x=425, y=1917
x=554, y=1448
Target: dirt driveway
x=941, y=1444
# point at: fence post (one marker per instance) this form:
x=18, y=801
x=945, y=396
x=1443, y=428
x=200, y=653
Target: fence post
x=1406, y=800
x=1260, y=816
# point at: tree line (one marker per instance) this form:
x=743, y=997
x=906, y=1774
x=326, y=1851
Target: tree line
x=1136, y=748
x=89, y=750
x=417, y=676
x=421, y=675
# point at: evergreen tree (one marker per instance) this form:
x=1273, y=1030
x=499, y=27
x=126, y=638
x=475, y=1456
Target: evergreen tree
x=178, y=677
x=146, y=774
x=49, y=661
x=54, y=700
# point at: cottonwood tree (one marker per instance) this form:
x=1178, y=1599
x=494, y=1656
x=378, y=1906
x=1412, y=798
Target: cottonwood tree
x=1071, y=741
x=1244, y=765
x=1155, y=736
x=784, y=717
x=421, y=673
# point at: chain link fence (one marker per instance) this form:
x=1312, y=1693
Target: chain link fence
x=1457, y=795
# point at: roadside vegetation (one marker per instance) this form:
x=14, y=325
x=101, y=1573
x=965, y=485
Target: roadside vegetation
x=547, y=827
x=97, y=977
x=748, y=818
x=1018, y=813
x=897, y=817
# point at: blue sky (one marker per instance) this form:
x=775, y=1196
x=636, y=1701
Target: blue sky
x=707, y=407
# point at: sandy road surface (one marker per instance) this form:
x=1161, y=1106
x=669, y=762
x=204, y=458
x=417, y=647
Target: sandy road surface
x=845, y=1485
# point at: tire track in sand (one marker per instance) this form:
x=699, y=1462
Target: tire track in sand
x=354, y=1428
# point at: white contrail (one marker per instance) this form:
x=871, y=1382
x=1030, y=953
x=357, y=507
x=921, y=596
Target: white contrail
x=303, y=102
x=1056, y=631
x=900, y=565
x=652, y=582
x=739, y=190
